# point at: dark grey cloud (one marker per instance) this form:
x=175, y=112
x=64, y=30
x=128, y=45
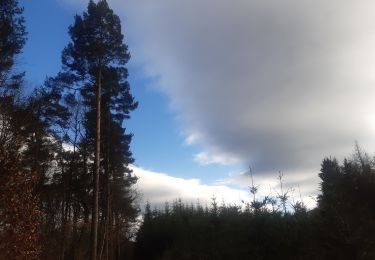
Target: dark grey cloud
x=278, y=84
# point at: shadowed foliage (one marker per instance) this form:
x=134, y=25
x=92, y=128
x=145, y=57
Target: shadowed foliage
x=340, y=227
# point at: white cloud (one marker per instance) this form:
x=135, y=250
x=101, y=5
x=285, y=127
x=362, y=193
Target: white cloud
x=206, y=158
x=192, y=139
x=159, y=188
x=302, y=184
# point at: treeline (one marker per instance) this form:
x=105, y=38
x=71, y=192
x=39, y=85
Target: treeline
x=65, y=186
x=340, y=227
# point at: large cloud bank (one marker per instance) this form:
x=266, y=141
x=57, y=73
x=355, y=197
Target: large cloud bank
x=278, y=84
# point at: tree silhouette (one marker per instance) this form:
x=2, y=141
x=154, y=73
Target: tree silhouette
x=94, y=67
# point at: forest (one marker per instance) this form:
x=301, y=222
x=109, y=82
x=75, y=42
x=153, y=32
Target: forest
x=67, y=188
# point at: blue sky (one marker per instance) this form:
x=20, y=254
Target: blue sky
x=223, y=84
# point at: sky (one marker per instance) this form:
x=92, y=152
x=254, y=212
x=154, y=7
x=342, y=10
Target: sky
x=222, y=85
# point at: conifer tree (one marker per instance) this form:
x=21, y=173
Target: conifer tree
x=94, y=68
x=19, y=205
x=12, y=39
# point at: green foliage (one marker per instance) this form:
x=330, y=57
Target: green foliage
x=95, y=55
x=341, y=227
x=346, y=207
x=189, y=232
x=12, y=39
x=19, y=204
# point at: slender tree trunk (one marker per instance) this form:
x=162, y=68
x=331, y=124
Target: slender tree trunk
x=95, y=213
x=107, y=223
x=63, y=212
x=110, y=230
x=104, y=246
x=74, y=245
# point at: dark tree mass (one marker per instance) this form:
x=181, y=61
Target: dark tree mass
x=67, y=188
x=12, y=39
x=19, y=207
x=94, y=85
x=94, y=66
x=340, y=227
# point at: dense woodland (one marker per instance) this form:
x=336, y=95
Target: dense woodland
x=52, y=205
x=340, y=227
x=66, y=189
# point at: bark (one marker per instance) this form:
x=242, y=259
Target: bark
x=95, y=213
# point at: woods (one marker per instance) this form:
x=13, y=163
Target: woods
x=67, y=190
x=63, y=179
x=340, y=227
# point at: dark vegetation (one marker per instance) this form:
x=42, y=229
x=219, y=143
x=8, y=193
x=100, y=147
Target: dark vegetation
x=51, y=201
x=340, y=227
x=66, y=186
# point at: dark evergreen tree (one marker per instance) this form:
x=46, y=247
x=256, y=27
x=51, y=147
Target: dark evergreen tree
x=19, y=205
x=12, y=39
x=94, y=71
x=346, y=208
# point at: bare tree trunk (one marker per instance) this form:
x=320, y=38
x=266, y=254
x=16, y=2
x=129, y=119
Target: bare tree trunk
x=95, y=213
x=107, y=223
x=63, y=215
x=102, y=245
x=74, y=245
x=108, y=194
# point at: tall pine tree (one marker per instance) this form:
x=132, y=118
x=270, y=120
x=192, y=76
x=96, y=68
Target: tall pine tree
x=94, y=68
